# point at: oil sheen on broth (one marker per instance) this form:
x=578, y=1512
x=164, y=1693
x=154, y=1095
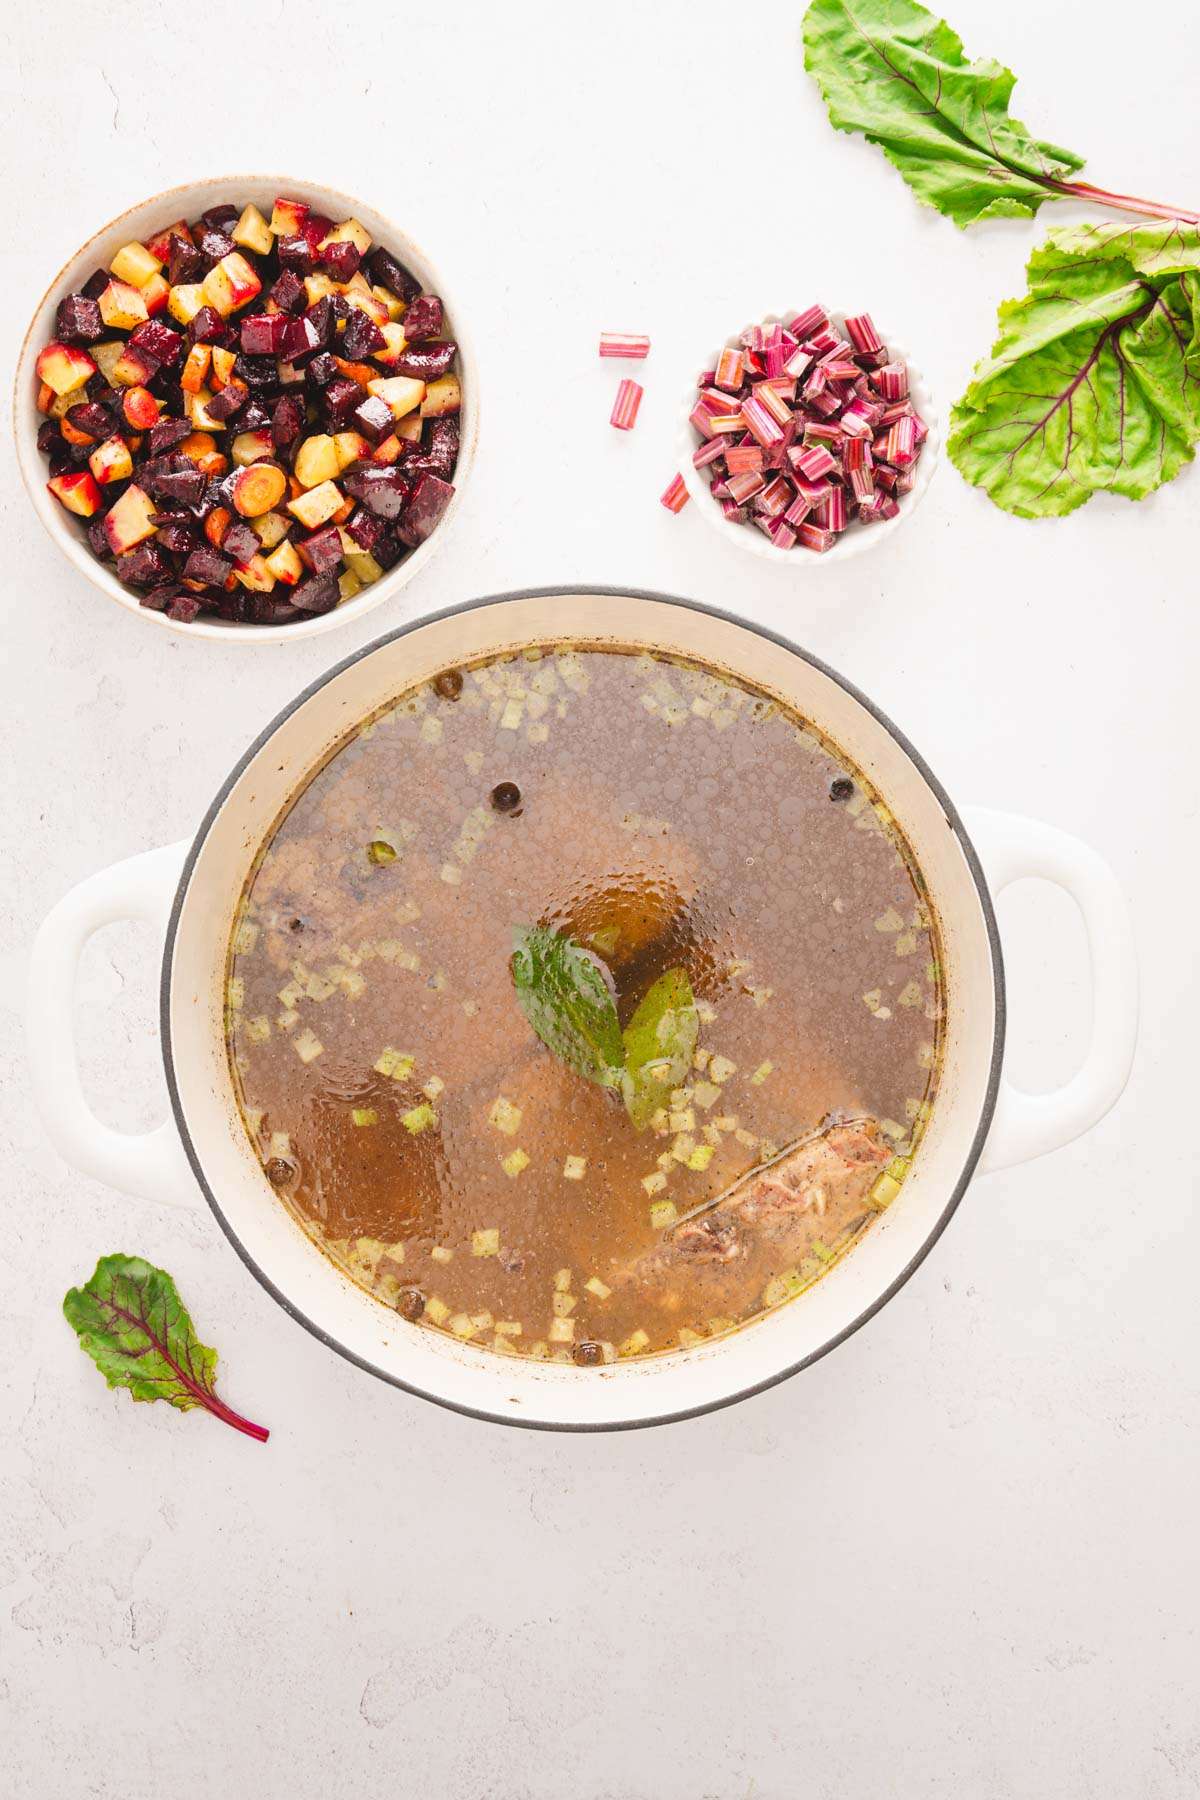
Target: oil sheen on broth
x=650, y=816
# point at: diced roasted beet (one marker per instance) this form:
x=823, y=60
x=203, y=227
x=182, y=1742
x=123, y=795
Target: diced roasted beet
x=228, y=400
x=322, y=369
x=423, y=318
x=323, y=550
x=287, y=420
x=97, y=389
x=262, y=334
x=320, y=594
x=213, y=244
x=373, y=417
x=159, y=598
x=425, y=506
x=300, y=339
x=382, y=491
x=167, y=433
x=389, y=551
x=296, y=254
x=208, y=327
x=153, y=337
x=177, y=537
x=255, y=416
x=144, y=566
x=257, y=372
x=341, y=307
x=98, y=539
x=341, y=397
x=50, y=439
x=221, y=218
x=89, y=417
x=383, y=268
x=315, y=228
x=341, y=258
x=442, y=448
x=288, y=292
x=184, y=608
x=185, y=263
x=366, y=528
x=427, y=362
x=184, y=482
x=241, y=542
x=78, y=320
x=207, y=565
x=95, y=284
x=362, y=336
x=323, y=319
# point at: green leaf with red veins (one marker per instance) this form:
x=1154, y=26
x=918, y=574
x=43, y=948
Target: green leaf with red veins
x=136, y=1329
x=1093, y=383
x=898, y=74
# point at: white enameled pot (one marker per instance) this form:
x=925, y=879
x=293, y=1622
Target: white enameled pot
x=190, y=892
x=142, y=221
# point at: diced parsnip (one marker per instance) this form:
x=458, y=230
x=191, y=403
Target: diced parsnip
x=442, y=397
x=106, y=357
x=223, y=362
x=253, y=233
x=400, y=393
x=363, y=564
x=271, y=529
x=350, y=231
x=349, y=447
x=251, y=447
x=198, y=414
x=504, y=1116
x=317, y=505
x=486, y=1242
x=599, y=1288
x=185, y=301
x=256, y=576
x=317, y=461
x=122, y=307
x=348, y=585
x=135, y=264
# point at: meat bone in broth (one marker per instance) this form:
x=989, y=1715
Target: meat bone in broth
x=585, y=1004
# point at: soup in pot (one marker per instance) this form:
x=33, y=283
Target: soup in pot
x=585, y=1004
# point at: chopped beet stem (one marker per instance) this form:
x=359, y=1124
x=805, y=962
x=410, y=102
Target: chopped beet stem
x=625, y=406
x=626, y=344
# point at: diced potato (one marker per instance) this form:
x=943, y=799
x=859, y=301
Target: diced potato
x=317, y=505
x=349, y=447
x=198, y=414
x=317, y=461
x=122, y=307
x=230, y=284
x=253, y=233
x=401, y=393
x=135, y=264
x=185, y=301
x=257, y=576
x=442, y=397
x=349, y=231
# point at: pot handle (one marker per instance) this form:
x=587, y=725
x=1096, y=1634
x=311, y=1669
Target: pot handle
x=150, y=1164
x=1011, y=849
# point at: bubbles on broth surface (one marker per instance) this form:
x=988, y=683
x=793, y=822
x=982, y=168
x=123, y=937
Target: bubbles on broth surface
x=647, y=819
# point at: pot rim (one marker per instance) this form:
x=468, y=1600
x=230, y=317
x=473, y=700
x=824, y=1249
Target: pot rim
x=954, y=819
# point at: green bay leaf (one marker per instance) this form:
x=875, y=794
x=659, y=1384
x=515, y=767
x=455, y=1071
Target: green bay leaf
x=565, y=996
x=660, y=1041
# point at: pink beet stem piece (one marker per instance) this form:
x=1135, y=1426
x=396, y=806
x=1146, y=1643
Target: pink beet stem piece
x=798, y=511
x=709, y=452
x=701, y=420
x=759, y=422
x=730, y=422
x=744, y=487
x=803, y=324
x=627, y=344
x=782, y=535
x=740, y=458
x=675, y=495
x=901, y=447
x=815, y=537
x=892, y=381
x=774, y=403
x=729, y=370
x=625, y=406
x=862, y=333
x=814, y=462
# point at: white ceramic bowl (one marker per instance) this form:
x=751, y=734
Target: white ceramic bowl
x=140, y=221
x=858, y=538
x=190, y=894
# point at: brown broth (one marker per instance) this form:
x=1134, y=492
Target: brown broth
x=667, y=816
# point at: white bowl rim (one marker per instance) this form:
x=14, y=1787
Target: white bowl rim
x=956, y=824
x=75, y=547
x=850, y=543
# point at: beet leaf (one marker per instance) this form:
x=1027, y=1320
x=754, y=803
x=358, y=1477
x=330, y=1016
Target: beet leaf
x=899, y=75
x=136, y=1329
x=1094, y=380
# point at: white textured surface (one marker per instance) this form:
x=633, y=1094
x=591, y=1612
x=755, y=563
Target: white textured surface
x=958, y=1557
